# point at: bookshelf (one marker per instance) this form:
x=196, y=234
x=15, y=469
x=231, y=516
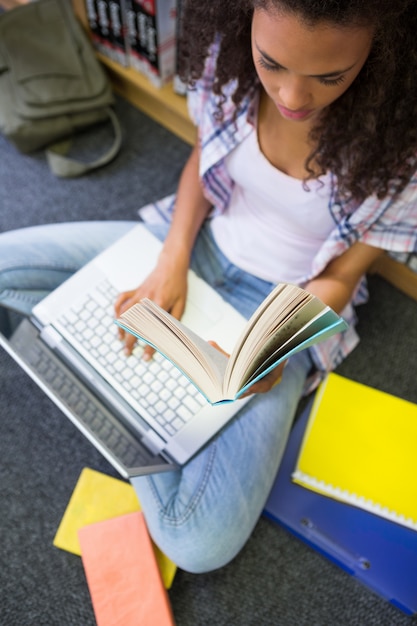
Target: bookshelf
x=398, y=274
x=162, y=105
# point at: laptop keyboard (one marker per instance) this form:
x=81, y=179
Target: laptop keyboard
x=92, y=416
x=156, y=389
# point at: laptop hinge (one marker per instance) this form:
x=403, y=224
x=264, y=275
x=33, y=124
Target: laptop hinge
x=153, y=442
x=50, y=336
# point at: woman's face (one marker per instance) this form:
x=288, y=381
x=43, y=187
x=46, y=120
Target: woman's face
x=304, y=69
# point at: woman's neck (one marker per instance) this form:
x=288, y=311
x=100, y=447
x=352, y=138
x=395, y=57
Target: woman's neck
x=284, y=143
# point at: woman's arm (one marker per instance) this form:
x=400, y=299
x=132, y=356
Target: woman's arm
x=337, y=283
x=167, y=283
x=335, y=287
x=191, y=209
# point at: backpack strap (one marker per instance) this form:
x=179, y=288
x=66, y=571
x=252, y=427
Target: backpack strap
x=67, y=167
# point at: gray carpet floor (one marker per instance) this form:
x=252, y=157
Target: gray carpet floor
x=276, y=580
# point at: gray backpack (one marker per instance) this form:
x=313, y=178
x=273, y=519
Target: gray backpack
x=51, y=84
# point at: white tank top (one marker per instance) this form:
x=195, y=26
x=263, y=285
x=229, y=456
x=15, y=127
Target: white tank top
x=272, y=228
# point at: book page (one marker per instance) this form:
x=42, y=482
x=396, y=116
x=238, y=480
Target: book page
x=286, y=336
x=323, y=326
x=281, y=313
x=201, y=363
x=284, y=313
x=251, y=324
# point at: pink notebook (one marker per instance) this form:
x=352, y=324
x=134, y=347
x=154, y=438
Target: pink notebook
x=122, y=573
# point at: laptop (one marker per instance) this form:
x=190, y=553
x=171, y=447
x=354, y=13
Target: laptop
x=379, y=553
x=144, y=417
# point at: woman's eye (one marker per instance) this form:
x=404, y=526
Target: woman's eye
x=268, y=66
x=274, y=67
x=331, y=82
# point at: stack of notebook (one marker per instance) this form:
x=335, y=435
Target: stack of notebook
x=360, y=447
x=127, y=575
x=347, y=485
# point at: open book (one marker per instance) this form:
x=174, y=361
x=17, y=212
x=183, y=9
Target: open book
x=289, y=320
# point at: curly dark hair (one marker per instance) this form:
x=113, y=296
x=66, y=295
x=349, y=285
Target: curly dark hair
x=368, y=136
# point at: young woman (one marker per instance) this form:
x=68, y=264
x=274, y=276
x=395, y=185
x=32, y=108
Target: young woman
x=303, y=172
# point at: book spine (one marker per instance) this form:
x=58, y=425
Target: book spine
x=104, y=45
x=130, y=28
x=118, y=32
x=93, y=22
x=178, y=85
x=165, y=40
x=150, y=9
x=135, y=34
x=152, y=27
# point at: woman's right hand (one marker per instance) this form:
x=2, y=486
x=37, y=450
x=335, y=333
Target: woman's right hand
x=166, y=285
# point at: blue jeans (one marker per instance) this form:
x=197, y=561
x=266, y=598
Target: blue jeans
x=202, y=514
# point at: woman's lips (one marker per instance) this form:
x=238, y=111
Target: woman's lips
x=301, y=114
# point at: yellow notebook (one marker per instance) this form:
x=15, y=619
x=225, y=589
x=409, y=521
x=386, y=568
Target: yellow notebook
x=360, y=447
x=98, y=497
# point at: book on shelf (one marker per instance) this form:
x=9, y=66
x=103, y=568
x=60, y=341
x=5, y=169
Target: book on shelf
x=119, y=41
x=93, y=23
x=289, y=320
x=103, y=40
x=151, y=27
x=136, y=36
x=359, y=447
x=108, y=30
x=178, y=84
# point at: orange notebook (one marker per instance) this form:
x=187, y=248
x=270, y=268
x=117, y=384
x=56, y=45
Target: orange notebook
x=122, y=573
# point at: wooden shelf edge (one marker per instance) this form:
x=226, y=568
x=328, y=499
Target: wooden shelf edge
x=397, y=274
x=162, y=105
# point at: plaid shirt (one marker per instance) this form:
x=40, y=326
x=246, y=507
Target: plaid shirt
x=390, y=224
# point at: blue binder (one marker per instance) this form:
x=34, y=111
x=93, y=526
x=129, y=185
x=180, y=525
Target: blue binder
x=380, y=554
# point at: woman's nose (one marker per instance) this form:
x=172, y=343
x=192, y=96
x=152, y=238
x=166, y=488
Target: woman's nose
x=293, y=92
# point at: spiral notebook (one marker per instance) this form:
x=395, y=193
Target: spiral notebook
x=377, y=553
x=359, y=447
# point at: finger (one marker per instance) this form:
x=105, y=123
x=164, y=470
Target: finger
x=177, y=309
x=277, y=382
x=216, y=345
x=130, y=342
x=265, y=384
x=124, y=301
x=120, y=300
x=148, y=353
